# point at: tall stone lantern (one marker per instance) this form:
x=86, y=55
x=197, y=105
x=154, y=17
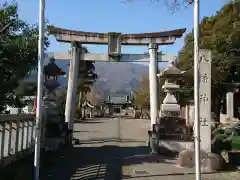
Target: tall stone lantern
x=171, y=125
x=170, y=106
x=54, y=121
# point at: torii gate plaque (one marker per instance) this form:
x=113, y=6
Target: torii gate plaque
x=114, y=41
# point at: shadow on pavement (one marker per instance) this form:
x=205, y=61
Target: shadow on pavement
x=104, y=140
x=91, y=163
x=83, y=163
x=87, y=122
x=84, y=131
x=23, y=169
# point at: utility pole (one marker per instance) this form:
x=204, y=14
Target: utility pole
x=196, y=88
x=39, y=90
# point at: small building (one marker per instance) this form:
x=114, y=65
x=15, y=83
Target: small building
x=27, y=109
x=118, y=106
x=87, y=109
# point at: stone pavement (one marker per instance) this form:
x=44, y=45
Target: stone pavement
x=114, y=149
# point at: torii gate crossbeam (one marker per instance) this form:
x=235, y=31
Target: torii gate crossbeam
x=159, y=38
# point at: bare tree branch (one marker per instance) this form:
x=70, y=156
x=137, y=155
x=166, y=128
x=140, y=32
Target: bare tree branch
x=171, y=4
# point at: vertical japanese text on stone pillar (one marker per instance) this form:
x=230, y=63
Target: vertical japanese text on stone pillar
x=205, y=99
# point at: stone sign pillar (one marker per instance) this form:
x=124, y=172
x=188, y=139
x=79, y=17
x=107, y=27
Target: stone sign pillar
x=205, y=99
x=230, y=105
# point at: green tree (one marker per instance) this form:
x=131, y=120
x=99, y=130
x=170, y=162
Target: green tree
x=18, y=51
x=87, y=77
x=93, y=96
x=61, y=96
x=142, y=96
x=220, y=34
x=26, y=88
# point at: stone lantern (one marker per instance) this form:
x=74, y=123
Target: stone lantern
x=54, y=120
x=170, y=106
x=51, y=72
x=171, y=125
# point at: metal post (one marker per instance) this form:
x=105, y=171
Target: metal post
x=71, y=91
x=153, y=83
x=39, y=90
x=196, y=91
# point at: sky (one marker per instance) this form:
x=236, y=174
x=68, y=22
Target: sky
x=116, y=16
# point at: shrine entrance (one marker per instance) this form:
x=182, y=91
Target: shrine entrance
x=114, y=41
x=117, y=110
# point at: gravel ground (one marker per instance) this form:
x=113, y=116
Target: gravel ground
x=114, y=149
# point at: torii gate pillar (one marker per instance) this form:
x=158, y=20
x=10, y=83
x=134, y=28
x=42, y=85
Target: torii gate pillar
x=72, y=90
x=153, y=83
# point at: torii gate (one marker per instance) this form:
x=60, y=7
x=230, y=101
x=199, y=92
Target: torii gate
x=114, y=41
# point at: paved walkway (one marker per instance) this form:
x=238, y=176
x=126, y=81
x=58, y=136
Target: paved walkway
x=114, y=149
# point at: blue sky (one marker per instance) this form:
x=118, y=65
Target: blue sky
x=116, y=15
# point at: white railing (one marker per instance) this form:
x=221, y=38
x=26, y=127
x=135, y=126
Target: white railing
x=16, y=137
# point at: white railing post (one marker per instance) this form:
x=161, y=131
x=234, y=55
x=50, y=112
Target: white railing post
x=14, y=136
x=10, y=138
x=3, y=139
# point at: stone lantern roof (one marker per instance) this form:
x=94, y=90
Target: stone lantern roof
x=51, y=69
x=171, y=71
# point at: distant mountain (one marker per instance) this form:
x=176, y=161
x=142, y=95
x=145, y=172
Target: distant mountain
x=117, y=78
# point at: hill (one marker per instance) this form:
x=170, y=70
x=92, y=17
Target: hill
x=119, y=77
x=114, y=78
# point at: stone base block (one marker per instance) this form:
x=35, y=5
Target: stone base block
x=209, y=161
x=212, y=162
x=186, y=158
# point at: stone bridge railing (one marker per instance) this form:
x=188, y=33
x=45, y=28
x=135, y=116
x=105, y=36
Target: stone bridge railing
x=16, y=137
